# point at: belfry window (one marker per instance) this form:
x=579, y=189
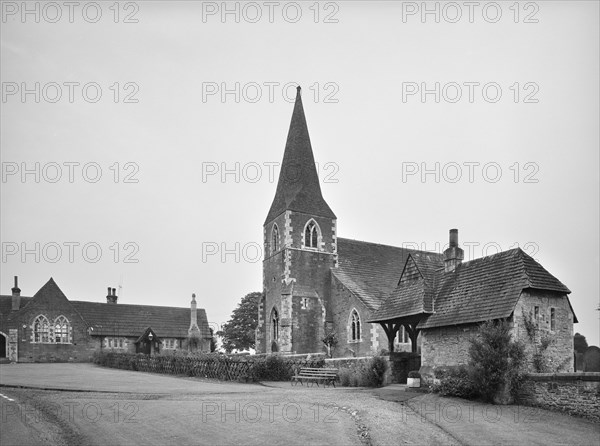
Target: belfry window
x=274, y=239
x=274, y=325
x=354, y=326
x=41, y=329
x=311, y=235
x=61, y=330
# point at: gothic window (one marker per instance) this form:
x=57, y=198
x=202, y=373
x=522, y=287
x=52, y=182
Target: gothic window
x=61, y=330
x=274, y=325
x=354, y=326
x=274, y=239
x=41, y=329
x=311, y=235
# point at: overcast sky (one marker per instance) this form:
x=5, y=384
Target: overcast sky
x=146, y=172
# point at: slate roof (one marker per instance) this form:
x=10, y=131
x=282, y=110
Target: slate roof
x=298, y=188
x=371, y=271
x=478, y=290
x=124, y=319
x=133, y=320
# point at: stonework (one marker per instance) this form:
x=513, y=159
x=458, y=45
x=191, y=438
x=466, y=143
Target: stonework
x=558, y=357
x=446, y=346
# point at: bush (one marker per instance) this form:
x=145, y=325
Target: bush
x=273, y=368
x=369, y=373
x=414, y=374
x=455, y=382
x=496, y=360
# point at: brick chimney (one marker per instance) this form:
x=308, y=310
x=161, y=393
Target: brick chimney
x=453, y=256
x=16, y=295
x=111, y=297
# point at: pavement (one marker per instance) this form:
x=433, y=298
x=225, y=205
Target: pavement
x=85, y=404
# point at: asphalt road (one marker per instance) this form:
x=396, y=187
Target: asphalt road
x=81, y=404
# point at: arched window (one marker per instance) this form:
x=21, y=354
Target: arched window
x=41, y=329
x=274, y=239
x=62, y=330
x=354, y=326
x=274, y=325
x=311, y=235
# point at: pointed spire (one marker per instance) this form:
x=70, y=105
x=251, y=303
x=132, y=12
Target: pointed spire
x=298, y=188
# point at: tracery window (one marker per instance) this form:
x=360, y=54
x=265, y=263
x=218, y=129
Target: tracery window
x=62, y=330
x=354, y=326
x=41, y=329
x=311, y=235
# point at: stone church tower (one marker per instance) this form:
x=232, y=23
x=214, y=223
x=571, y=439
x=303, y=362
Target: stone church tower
x=300, y=249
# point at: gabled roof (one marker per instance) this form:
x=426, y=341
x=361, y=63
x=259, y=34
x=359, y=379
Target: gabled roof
x=298, y=188
x=478, y=290
x=118, y=319
x=413, y=295
x=371, y=271
x=488, y=288
x=132, y=320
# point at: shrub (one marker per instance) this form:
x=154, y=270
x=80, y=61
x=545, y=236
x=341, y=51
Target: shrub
x=496, y=360
x=272, y=368
x=414, y=374
x=455, y=382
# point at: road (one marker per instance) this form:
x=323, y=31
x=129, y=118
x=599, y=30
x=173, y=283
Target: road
x=88, y=405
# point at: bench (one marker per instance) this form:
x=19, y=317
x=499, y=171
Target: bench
x=315, y=375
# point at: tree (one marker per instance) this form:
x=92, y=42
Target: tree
x=239, y=332
x=213, y=341
x=579, y=343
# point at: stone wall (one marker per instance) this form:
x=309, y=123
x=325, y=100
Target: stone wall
x=573, y=393
x=372, y=336
x=558, y=357
x=446, y=346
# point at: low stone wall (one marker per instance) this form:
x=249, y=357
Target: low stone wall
x=574, y=393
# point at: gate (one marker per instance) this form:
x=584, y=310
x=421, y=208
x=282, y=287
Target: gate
x=402, y=363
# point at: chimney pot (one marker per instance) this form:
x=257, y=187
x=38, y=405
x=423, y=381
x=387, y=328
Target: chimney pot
x=453, y=237
x=114, y=291
x=108, y=291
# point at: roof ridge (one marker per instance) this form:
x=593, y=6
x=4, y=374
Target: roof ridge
x=390, y=246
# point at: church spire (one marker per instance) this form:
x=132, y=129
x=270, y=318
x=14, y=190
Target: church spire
x=298, y=188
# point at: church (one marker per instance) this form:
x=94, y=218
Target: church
x=48, y=327
x=376, y=297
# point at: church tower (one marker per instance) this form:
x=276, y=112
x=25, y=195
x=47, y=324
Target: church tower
x=300, y=250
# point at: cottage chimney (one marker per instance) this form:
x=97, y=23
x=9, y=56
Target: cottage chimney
x=453, y=256
x=16, y=295
x=111, y=297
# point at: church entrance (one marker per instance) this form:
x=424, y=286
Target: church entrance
x=3, y=342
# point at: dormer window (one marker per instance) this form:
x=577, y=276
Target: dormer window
x=311, y=235
x=274, y=239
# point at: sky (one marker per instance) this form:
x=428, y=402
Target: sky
x=140, y=140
